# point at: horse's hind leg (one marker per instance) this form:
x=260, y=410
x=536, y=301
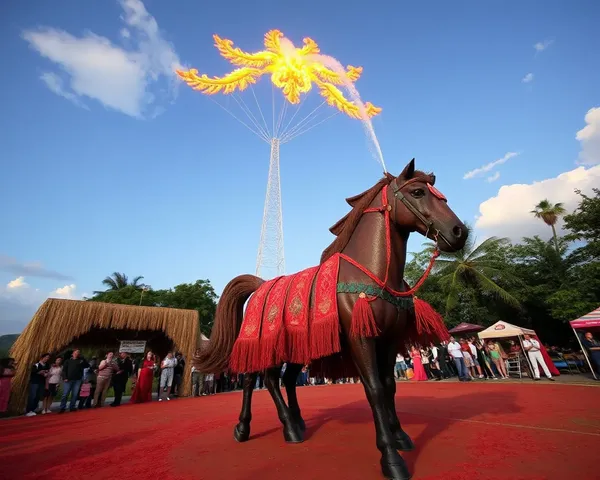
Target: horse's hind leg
x=241, y=432
x=289, y=380
x=386, y=364
x=291, y=430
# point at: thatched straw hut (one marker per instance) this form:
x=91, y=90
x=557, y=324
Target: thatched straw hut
x=59, y=324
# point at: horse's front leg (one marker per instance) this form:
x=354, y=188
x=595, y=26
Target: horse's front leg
x=241, y=431
x=365, y=357
x=291, y=429
x=290, y=377
x=386, y=363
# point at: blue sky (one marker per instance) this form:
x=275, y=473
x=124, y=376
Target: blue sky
x=109, y=164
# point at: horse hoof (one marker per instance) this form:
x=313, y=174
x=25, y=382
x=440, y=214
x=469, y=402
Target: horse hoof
x=293, y=434
x=397, y=471
x=403, y=441
x=241, y=433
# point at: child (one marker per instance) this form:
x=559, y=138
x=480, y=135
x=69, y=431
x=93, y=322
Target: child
x=84, y=393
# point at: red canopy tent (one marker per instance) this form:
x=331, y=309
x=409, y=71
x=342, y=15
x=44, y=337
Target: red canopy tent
x=591, y=321
x=466, y=328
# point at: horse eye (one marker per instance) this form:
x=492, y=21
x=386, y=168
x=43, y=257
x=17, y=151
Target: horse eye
x=418, y=193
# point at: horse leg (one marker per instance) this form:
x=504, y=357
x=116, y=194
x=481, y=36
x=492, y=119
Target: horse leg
x=365, y=357
x=386, y=363
x=241, y=432
x=291, y=429
x=289, y=380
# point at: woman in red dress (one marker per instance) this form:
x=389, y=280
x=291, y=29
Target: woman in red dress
x=143, y=386
x=418, y=368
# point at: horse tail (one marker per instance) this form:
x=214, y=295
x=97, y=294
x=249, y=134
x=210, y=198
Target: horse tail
x=227, y=324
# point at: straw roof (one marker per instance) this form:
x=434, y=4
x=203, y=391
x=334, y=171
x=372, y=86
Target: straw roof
x=58, y=322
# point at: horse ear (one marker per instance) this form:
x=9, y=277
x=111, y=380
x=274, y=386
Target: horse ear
x=409, y=171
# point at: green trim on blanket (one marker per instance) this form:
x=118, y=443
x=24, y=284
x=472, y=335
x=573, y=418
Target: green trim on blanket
x=405, y=303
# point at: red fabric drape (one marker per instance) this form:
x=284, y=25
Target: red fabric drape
x=553, y=370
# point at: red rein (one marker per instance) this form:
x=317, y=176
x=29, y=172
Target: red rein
x=363, y=320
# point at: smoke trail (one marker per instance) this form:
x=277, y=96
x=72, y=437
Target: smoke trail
x=338, y=68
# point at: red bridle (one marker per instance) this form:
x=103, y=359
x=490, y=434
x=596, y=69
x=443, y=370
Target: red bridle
x=386, y=208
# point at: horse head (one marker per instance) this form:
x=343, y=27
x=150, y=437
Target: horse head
x=416, y=205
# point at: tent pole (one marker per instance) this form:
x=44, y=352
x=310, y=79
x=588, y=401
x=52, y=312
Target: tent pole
x=526, y=356
x=585, y=354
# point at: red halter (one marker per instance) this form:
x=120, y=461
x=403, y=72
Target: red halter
x=386, y=209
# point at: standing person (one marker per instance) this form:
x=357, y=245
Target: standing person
x=593, y=348
x=496, y=355
x=484, y=361
x=37, y=383
x=166, y=376
x=106, y=370
x=120, y=378
x=7, y=372
x=143, y=387
x=400, y=367
x=455, y=351
x=532, y=347
x=476, y=364
x=443, y=359
x=197, y=378
x=53, y=380
x=92, y=377
x=425, y=359
x=419, y=371
x=178, y=374
x=72, y=375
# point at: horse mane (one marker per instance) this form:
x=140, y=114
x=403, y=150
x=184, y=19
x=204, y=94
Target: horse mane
x=344, y=228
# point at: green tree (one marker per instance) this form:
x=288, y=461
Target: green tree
x=117, y=281
x=549, y=213
x=583, y=225
x=481, y=268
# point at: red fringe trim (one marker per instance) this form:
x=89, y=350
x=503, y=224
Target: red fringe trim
x=268, y=353
x=244, y=355
x=297, y=346
x=363, y=320
x=325, y=337
x=429, y=323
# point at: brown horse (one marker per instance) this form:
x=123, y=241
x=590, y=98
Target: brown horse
x=371, y=242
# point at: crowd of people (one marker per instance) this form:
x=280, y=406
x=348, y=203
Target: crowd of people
x=83, y=384
x=467, y=359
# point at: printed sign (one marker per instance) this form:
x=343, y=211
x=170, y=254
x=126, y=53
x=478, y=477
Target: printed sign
x=132, y=346
x=499, y=327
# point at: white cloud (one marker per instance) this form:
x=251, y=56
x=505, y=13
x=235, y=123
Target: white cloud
x=56, y=85
x=527, y=78
x=489, y=166
x=68, y=291
x=541, y=46
x=126, y=80
x=19, y=302
x=18, y=282
x=589, y=136
x=493, y=178
x=508, y=213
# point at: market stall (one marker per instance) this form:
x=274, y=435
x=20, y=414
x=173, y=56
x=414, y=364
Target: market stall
x=587, y=323
x=505, y=330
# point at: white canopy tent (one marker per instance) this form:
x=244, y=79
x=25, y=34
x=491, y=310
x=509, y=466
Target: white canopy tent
x=503, y=329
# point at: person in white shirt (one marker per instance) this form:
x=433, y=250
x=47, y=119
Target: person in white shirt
x=400, y=367
x=166, y=376
x=456, y=354
x=476, y=365
x=532, y=347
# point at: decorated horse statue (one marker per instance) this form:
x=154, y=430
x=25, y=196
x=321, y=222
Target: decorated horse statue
x=351, y=314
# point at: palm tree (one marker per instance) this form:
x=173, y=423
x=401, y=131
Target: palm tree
x=550, y=214
x=479, y=267
x=117, y=281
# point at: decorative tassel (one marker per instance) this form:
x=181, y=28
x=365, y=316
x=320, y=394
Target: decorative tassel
x=429, y=322
x=363, y=320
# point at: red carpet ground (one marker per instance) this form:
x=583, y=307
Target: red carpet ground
x=461, y=431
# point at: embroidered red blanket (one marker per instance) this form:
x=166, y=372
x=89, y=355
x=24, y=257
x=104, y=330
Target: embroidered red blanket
x=293, y=318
